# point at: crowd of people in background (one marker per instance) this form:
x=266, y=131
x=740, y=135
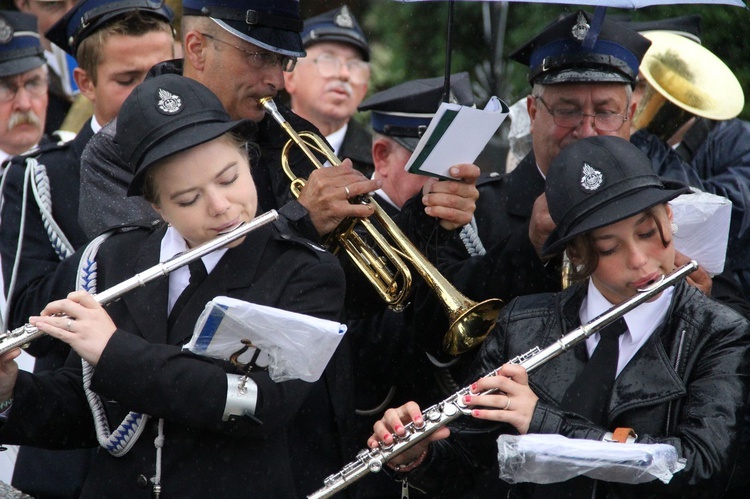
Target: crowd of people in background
x=178, y=146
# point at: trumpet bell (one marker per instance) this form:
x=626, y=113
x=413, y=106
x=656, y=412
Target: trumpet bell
x=471, y=326
x=685, y=74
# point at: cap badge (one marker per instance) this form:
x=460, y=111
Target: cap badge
x=6, y=31
x=581, y=28
x=344, y=18
x=169, y=103
x=592, y=178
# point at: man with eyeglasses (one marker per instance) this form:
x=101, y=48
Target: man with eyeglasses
x=61, y=91
x=577, y=92
x=330, y=82
x=23, y=85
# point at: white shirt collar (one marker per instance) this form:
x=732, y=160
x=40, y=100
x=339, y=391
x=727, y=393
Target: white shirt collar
x=383, y=195
x=336, y=139
x=95, y=125
x=642, y=321
x=172, y=244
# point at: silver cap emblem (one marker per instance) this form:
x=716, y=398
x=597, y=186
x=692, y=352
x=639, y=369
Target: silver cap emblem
x=169, y=103
x=344, y=18
x=581, y=28
x=6, y=31
x=592, y=178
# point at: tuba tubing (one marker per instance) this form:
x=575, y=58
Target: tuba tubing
x=450, y=409
x=470, y=322
x=22, y=336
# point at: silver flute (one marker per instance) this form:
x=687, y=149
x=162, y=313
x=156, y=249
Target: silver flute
x=22, y=336
x=442, y=413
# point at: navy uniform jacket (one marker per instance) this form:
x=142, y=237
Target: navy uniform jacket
x=39, y=471
x=143, y=369
x=357, y=146
x=38, y=259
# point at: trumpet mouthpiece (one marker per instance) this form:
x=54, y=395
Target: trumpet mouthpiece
x=269, y=105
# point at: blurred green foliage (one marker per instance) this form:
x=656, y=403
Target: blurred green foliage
x=409, y=39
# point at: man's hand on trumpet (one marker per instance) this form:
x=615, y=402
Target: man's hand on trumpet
x=452, y=201
x=328, y=191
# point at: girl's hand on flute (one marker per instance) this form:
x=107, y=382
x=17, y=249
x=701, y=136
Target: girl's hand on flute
x=80, y=322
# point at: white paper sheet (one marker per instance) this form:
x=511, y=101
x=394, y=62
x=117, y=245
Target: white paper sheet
x=702, y=228
x=457, y=134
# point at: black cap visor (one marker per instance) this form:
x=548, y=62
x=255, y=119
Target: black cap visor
x=21, y=65
x=581, y=75
x=614, y=210
x=181, y=139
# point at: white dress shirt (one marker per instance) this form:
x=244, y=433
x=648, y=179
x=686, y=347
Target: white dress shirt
x=642, y=321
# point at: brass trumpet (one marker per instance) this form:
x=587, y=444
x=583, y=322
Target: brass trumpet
x=470, y=322
x=684, y=79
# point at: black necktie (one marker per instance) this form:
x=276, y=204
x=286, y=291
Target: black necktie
x=197, y=276
x=590, y=392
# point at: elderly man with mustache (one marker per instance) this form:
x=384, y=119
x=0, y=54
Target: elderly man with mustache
x=330, y=82
x=23, y=85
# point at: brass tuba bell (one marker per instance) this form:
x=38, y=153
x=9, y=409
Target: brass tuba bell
x=684, y=79
x=470, y=322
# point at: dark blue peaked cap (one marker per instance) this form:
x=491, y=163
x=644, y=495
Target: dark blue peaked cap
x=20, y=49
x=273, y=25
x=337, y=25
x=404, y=112
x=89, y=15
x=558, y=55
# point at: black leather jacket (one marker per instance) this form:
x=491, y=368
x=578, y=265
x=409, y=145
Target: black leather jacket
x=686, y=387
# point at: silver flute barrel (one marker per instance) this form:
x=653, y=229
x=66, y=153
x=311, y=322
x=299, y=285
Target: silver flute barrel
x=442, y=413
x=21, y=336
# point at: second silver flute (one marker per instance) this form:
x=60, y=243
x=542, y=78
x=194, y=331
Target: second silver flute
x=442, y=413
x=21, y=336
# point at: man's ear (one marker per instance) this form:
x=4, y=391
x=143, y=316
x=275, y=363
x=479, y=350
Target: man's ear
x=381, y=149
x=631, y=110
x=531, y=109
x=85, y=83
x=290, y=82
x=194, y=49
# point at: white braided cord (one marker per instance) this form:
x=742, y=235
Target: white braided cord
x=159, y=444
x=122, y=439
x=43, y=195
x=470, y=237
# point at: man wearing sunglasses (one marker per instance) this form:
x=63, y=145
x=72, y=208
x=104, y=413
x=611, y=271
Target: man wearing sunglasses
x=330, y=82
